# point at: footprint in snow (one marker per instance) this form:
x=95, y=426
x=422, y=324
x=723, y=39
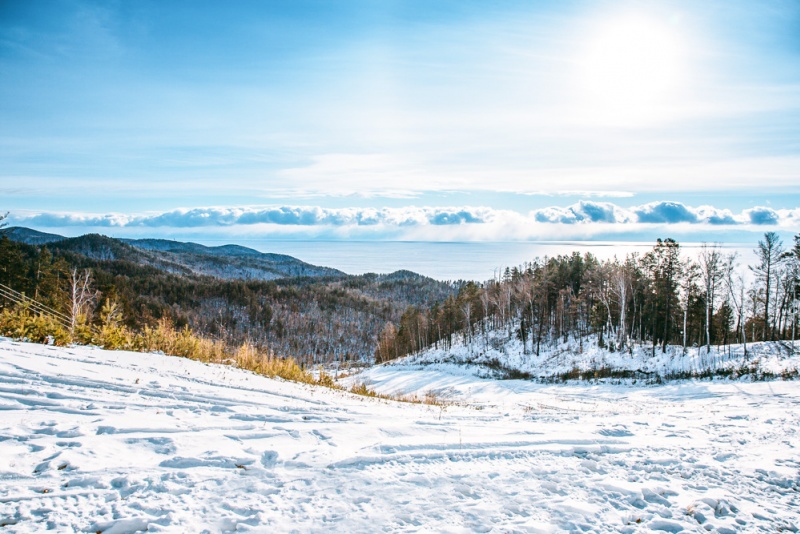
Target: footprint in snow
x=323, y=437
x=158, y=445
x=269, y=459
x=618, y=432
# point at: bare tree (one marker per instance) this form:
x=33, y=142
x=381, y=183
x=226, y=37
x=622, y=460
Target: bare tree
x=794, y=311
x=795, y=278
x=621, y=281
x=82, y=296
x=501, y=300
x=486, y=305
x=781, y=309
x=687, y=290
x=770, y=255
x=526, y=297
x=602, y=289
x=737, y=295
x=466, y=310
x=711, y=274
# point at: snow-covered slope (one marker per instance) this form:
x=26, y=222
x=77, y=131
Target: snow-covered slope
x=123, y=442
x=496, y=351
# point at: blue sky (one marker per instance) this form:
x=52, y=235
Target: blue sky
x=449, y=120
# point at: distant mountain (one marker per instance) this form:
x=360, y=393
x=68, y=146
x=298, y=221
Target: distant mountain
x=31, y=237
x=231, y=261
x=227, y=262
x=100, y=247
x=168, y=245
x=403, y=275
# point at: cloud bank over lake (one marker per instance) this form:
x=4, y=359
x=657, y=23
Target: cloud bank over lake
x=584, y=219
x=398, y=119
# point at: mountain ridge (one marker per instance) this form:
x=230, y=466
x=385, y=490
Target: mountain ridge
x=227, y=262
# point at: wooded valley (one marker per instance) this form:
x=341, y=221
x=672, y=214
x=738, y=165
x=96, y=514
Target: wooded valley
x=659, y=298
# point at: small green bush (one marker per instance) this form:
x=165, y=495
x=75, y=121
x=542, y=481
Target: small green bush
x=21, y=324
x=113, y=334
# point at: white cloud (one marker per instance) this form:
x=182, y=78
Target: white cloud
x=582, y=220
x=406, y=174
x=583, y=212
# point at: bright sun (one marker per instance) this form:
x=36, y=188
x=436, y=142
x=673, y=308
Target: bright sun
x=631, y=69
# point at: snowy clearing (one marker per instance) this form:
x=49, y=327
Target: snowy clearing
x=506, y=353
x=112, y=442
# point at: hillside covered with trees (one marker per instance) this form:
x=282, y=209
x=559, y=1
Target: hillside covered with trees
x=312, y=319
x=656, y=299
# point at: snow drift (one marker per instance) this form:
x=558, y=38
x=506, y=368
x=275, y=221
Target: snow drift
x=100, y=441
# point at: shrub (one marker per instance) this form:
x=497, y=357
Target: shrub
x=82, y=333
x=20, y=324
x=113, y=335
x=362, y=389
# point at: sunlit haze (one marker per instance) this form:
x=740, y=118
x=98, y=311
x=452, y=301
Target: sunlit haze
x=633, y=70
x=424, y=121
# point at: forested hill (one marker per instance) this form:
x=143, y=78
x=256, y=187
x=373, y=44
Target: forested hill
x=30, y=237
x=327, y=317
x=227, y=261
x=657, y=302
x=662, y=298
x=231, y=261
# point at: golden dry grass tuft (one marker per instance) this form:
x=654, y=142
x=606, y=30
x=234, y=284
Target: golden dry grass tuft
x=429, y=398
x=21, y=324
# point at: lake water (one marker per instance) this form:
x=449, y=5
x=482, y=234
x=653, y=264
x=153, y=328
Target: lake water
x=453, y=261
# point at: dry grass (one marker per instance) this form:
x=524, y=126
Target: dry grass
x=21, y=324
x=429, y=398
x=252, y=359
x=165, y=338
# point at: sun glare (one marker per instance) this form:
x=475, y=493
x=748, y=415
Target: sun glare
x=631, y=69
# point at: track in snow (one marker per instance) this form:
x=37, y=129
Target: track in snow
x=120, y=442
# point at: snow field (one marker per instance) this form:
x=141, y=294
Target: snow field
x=495, y=347
x=92, y=440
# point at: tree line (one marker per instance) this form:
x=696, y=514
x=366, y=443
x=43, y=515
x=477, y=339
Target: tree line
x=314, y=320
x=656, y=299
